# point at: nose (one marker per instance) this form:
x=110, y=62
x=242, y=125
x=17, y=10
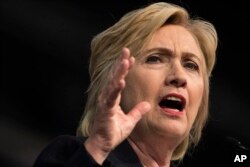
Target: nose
x=176, y=76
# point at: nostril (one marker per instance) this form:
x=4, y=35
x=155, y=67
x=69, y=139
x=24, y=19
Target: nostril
x=174, y=82
x=178, y=82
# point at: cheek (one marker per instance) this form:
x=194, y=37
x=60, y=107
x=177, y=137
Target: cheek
x=196, y=95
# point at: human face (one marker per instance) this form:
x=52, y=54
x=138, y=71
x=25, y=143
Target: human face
x=169, y=76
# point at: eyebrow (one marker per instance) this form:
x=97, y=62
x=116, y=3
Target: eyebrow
x=171, y=53
x=162, y=50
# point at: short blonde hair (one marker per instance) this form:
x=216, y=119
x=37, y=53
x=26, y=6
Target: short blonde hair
x=134, y=31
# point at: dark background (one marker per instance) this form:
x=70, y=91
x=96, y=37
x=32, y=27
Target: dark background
x=44, y=72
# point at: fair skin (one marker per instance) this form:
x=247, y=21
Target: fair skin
x=170, y=68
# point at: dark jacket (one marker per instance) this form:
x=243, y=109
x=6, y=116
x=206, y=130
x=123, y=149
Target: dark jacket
x=69, y=151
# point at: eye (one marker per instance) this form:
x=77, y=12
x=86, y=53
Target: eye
x=191, y=65
x=152, y=59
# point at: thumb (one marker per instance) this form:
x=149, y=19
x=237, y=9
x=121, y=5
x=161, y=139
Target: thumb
x=136, y=113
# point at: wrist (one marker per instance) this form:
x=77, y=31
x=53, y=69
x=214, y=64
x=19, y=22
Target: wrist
x=95, y=148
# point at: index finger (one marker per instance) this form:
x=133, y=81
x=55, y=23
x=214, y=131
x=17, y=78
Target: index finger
x=117, y=79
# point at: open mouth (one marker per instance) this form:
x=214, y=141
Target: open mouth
x=173, y=102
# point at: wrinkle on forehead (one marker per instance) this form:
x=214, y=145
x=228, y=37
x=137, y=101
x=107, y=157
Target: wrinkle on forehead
x=177, y=39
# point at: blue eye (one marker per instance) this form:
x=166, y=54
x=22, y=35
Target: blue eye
x=191, y=65
x=153, y=59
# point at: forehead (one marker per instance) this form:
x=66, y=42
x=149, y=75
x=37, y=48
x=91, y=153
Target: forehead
x=175, y=38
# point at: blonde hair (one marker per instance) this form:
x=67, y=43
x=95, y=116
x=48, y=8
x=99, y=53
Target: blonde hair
x=134, y=31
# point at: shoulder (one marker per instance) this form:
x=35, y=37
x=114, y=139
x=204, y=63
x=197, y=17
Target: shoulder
x=65, y=143
x=62, y=150
x=66, y=140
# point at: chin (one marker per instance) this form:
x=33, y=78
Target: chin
x=169, y=128
x=176, y=130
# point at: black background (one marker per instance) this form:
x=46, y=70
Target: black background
x=44, y=72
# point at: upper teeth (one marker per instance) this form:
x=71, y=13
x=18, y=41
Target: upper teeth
x=174, y=98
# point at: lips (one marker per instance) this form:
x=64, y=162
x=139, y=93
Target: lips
x=174, y=102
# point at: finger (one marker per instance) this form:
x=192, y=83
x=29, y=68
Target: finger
x=127, y=55
x=112, y=98
x=131, y=62
x=117, y=84
x=123, y=64
x=117, y=80
x=137, y=112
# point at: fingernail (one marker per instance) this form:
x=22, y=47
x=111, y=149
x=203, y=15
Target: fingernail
x=146, y=106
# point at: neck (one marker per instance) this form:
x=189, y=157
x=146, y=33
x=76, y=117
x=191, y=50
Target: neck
x=151, y=154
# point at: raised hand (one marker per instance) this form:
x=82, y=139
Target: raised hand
x=111, y=125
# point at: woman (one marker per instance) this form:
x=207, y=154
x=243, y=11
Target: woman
x=148, y=97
